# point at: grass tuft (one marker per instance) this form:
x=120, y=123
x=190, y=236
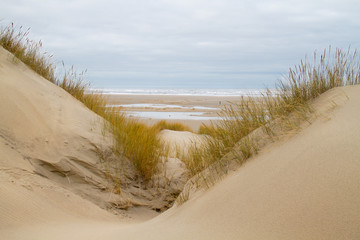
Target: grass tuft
x=286, y=106
x=28, y=51
x=139, y=143
x=281, y=108
x=134, y=140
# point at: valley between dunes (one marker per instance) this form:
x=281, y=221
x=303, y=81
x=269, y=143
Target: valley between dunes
x=53, y=178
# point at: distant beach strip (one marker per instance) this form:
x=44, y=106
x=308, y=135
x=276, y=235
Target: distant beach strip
x=171, y=115
x=175, y=104
x=161, y=106
x=183, y=92
x=160, y=111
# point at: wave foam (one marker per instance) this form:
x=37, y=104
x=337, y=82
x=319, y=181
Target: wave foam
x=183, y=92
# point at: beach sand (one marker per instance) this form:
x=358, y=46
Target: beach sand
x=188, y=104
x=188, y=101
x=52, y=185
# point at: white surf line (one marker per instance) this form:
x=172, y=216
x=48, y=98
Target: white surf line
x=182, y=92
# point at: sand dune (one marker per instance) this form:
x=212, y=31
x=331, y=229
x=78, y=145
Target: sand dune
x=51, y=145
x=303, y=187
x=37, y=130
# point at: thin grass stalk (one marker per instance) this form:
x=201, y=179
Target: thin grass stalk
x=134, y=140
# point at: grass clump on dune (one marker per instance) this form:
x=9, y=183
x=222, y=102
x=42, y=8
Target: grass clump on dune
x=28, y=51
x=285, y=106
x=134, y=140
x=142, y=145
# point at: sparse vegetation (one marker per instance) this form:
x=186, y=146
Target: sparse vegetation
x=281, y=109
x=139, y=143
x=286, y=106
x=134, y=140
x=28, y=51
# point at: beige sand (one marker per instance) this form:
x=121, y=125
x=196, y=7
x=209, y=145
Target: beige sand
x=306, y=187
x=187, y=101
x=49, y=142
x=216, y=102
x=179, y=142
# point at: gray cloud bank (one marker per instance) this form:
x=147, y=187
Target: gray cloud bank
x=186, y=43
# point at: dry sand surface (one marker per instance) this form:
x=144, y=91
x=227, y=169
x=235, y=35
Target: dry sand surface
x=190, y=104
x=304, y=187
x=188, y=101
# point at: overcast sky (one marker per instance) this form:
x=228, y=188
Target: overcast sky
x=186, y=43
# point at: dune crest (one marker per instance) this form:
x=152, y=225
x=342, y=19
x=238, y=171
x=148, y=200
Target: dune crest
x=54, y=142
x=53, y=182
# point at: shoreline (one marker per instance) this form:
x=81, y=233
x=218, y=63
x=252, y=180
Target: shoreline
x=220, y=92
x=190, y=100
x=189, y=105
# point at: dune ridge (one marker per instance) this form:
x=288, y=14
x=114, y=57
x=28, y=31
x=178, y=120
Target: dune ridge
x=303, y=187
x=51, y=138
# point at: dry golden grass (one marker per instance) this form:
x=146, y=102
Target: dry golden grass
x=28, y=51
x=138, y=142
x=142, y=146
x=133, y=139
x=304, y=82
x=253, y=122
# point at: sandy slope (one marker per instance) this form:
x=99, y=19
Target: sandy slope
x=35, y=136
x=306, y=187
x=52, y=156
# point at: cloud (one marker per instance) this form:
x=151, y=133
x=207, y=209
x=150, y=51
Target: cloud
x=186, y=41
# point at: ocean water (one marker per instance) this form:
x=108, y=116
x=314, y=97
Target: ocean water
x=171, y=115
x=184, y=92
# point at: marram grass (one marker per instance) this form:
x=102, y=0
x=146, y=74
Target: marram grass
x=28, y=51
x=140, y=143
x=240, y=133
x=286, y=105
x=134, y=140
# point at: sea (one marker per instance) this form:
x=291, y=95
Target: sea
x=186, y=114
x=183, y=92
